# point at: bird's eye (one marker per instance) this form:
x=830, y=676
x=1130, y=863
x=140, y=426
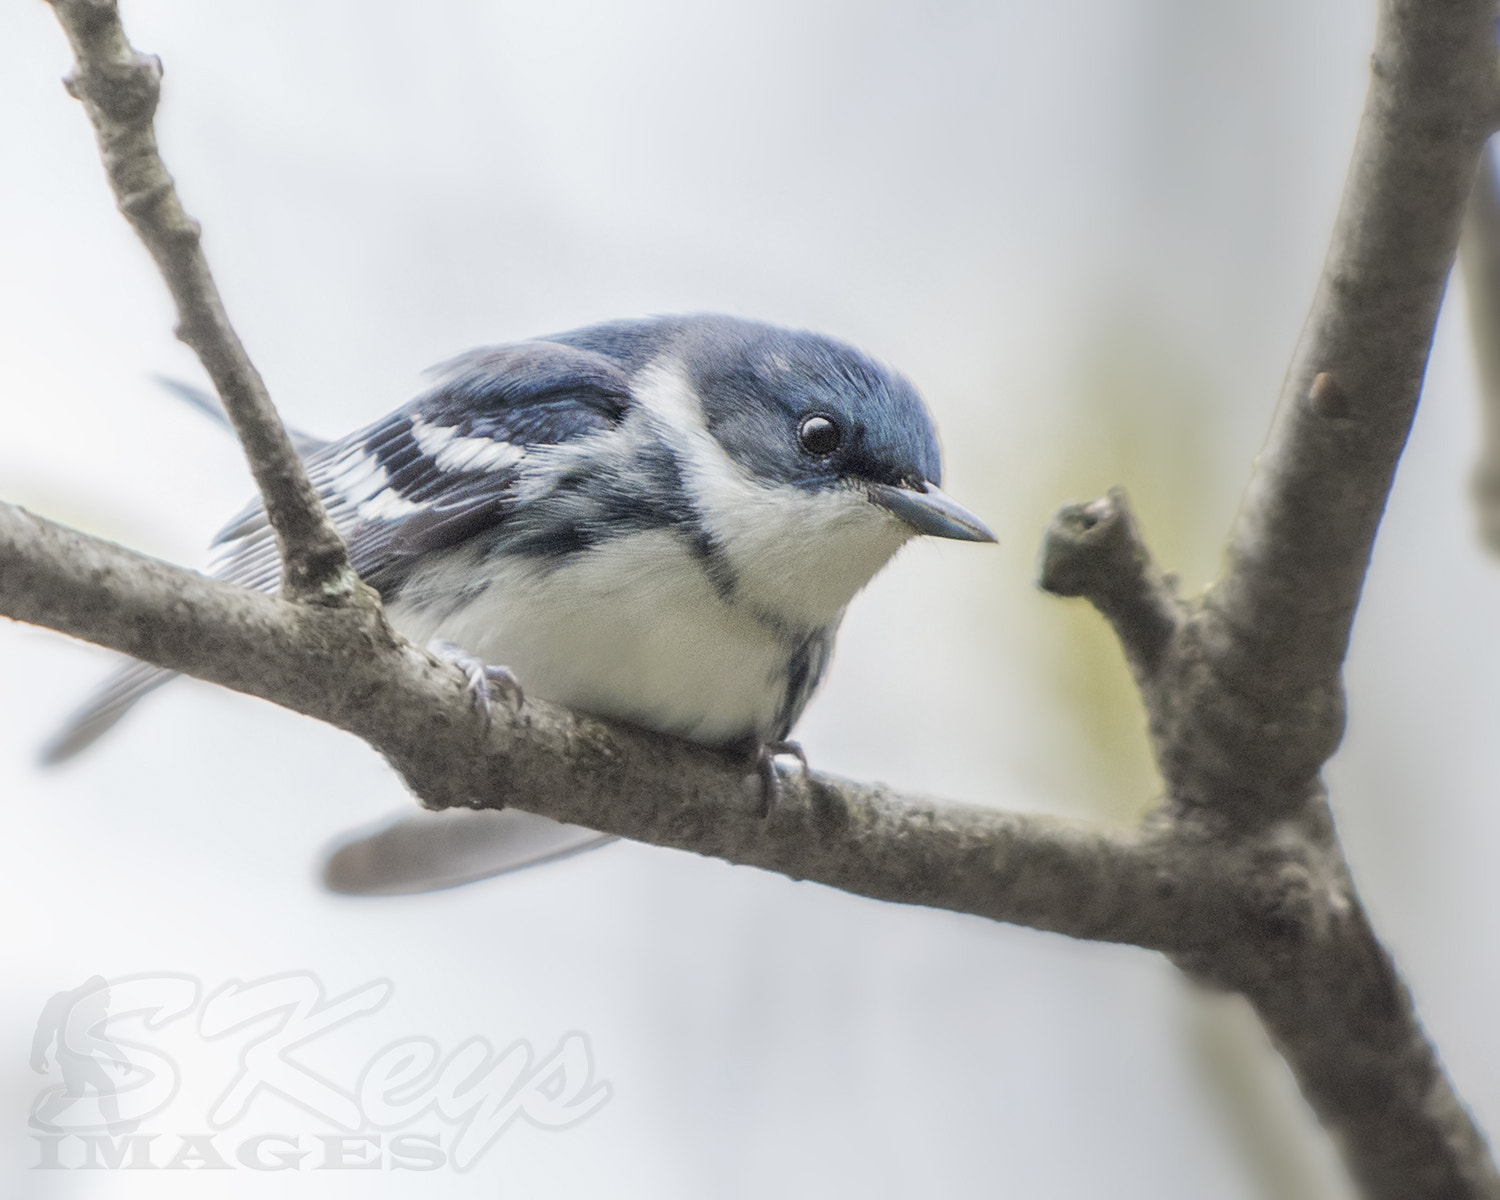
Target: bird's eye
x=819, y=436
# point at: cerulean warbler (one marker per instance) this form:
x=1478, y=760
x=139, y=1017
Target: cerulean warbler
x=660, y=521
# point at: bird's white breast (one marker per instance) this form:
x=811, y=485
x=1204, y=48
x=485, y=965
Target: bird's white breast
x=631, y=629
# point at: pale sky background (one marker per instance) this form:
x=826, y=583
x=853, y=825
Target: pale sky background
x=1089, y=231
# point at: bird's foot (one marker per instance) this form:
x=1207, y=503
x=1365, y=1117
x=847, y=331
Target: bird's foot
x=484, y=679
x=766, y=755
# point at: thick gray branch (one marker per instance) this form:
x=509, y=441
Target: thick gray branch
x=119, y=88
x=1037, y=871
x=1300, y=548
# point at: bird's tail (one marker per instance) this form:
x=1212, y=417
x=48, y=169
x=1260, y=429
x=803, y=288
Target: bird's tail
x=428, y=851
x=106, y=706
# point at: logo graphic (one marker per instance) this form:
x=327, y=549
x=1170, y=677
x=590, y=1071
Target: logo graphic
x=252, y=1049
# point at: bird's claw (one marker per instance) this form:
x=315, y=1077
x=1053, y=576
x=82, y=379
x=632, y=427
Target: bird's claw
x=503, y=680
x=770, y=779
x=482, y=679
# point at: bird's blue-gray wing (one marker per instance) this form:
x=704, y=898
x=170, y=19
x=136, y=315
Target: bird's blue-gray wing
x=804, y=674
x=428, y=476
x=445, y=467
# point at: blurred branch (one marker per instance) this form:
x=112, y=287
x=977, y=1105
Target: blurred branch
x=1238, y=877
x=119, y=88
x=1479, y=255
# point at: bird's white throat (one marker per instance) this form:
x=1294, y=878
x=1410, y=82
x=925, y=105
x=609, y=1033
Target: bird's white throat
x=795, y=554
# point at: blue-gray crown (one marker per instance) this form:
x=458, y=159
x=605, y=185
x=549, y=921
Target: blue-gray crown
x=760, y=386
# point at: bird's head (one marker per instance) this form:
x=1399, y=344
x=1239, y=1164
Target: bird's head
x=815, y=463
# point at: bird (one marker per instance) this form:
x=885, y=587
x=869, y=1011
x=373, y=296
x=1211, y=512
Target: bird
x=659, y=521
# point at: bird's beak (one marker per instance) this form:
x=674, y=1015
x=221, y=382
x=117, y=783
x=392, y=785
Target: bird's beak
x=931, y=511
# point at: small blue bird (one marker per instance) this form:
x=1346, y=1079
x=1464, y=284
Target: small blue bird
x=660, y=521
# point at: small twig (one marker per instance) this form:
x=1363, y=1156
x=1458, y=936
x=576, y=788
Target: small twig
x=119, y=88
x=1095, y=551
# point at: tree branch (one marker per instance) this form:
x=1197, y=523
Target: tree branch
x=1042, y=872
x=119, y=88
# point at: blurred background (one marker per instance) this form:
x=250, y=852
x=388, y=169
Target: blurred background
x=1089, y=231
